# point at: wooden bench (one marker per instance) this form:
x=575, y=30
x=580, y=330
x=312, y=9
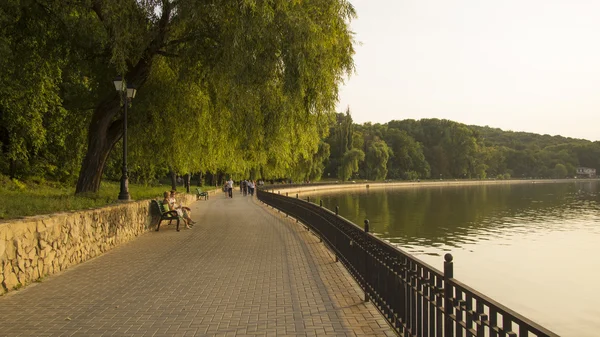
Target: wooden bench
x=200, y=194
x=165, y=215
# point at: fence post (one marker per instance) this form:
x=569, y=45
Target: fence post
x=366, y=262
x=448, y=307
x=337, y=210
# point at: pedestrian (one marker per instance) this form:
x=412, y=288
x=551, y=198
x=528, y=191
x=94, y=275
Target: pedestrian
x=230, y=187
x=251, y=185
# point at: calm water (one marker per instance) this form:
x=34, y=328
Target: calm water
x=532, y=247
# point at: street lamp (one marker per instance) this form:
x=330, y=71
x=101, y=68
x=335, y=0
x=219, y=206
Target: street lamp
x=127, y=93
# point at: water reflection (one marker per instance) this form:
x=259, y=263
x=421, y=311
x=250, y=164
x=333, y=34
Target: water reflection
x=518, y=243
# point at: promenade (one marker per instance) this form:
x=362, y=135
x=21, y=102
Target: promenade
x=243, y=270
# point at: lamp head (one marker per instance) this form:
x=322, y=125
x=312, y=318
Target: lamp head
x=118, y=81
x=131, y=91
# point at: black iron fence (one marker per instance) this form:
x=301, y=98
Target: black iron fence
x=415, y=298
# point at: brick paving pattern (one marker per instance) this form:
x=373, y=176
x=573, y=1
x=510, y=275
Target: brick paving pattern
x=243, y=270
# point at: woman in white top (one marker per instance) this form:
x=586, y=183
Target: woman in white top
x=184, y=212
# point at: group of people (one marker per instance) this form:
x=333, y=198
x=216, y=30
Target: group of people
x=185, y=213
x=246, y=187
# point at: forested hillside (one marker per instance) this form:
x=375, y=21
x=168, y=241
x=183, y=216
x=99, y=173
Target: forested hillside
x=434, y=148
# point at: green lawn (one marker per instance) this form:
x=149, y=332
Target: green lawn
x=19, y=199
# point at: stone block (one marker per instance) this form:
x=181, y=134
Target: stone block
x=6, y=232
x=10, y=250
x=51, y=255
x=10, y=280
x=40, y=226
x=21, y=264
x=2, y=249
x=19, y=246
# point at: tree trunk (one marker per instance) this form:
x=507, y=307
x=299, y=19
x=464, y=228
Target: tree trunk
x=188, y=181
x=103, y=134
x=12, y=168
x=200, y=179
x=173, y=180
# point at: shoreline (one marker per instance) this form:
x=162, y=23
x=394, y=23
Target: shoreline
x=308, y=189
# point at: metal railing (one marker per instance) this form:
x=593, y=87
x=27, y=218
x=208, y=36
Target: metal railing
x=415, y=298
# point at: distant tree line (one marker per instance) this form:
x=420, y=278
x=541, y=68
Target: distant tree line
x=434, y=148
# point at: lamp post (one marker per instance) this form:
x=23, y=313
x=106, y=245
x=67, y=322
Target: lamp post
x=127, y=92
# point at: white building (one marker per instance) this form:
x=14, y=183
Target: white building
x=586, y=172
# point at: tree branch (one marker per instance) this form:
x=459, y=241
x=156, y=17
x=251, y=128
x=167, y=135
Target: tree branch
x=96, y=7
x=165, y=53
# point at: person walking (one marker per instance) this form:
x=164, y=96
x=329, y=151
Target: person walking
x=251, y=185
x=244, y=187
x=230, y=187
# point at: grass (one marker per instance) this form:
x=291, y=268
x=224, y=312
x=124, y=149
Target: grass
x=19, y=199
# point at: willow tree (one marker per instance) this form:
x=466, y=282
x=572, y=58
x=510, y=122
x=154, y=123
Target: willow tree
x=233, y=51
x=32, y=118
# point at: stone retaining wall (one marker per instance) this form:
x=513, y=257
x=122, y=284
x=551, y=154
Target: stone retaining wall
x=38, y=246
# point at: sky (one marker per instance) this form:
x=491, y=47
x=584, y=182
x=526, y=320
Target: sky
x=527, y=65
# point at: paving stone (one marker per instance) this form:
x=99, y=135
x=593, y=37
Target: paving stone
x=243, y=270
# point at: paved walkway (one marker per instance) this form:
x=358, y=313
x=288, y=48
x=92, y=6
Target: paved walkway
x=242, y=270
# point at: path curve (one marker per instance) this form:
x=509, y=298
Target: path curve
x=242, y=270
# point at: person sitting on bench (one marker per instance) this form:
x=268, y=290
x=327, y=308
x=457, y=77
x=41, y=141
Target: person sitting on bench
x=184, y=213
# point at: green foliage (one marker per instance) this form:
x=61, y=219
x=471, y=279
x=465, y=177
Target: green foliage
x=407, y=159
x=376, y=160
x=442, y=148
x=350, y=163
x=560, y=171
x=223, y=86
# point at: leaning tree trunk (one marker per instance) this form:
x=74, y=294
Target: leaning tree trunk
x=103, y=134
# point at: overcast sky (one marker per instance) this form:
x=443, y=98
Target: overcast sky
x=521, y=65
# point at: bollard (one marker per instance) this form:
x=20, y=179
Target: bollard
x=308, y=199
x=296, y=195
x=366, y=263
x=286, y=194
x=337, y=210
x=448, y=307
x=279, y=192
x=321, y=202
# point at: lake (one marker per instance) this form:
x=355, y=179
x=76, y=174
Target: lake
x=533, y=247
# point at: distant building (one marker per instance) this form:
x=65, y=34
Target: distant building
x=586, y=172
